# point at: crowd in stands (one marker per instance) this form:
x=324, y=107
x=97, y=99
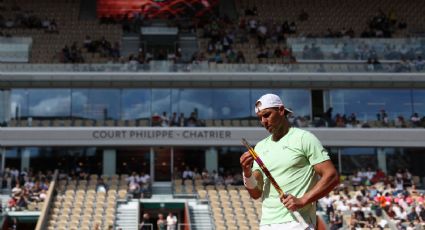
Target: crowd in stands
x=351, y=121
x=327, y=119
x=139, y=185
x=25, y=19
x=365, y=199
x=228, y=177
x=28, y=188
x=162, y=223
x=372, y=199
x=176, y=120
x=75, y=53
x=231, y=41
x=222, y=35
x=383, y=25
x=408, y=55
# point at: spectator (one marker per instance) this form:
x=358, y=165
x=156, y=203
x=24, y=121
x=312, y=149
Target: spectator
x=415, y=119
x=101, y=186
x=335, y=220
x=165, y=122
x=174, y=121
x=145, y=183
x=161, y=223
x=240, y=58
x=171, y=221
x=146, y=223
x=400, y=122
x=182, y=120
x=156, y=120
x=192, y=121
x=53, y=27
x=187, y=174
x=419, y=63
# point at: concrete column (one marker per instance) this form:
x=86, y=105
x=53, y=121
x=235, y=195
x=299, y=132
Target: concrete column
x=3, y=158
x=211, y=159
x=109, y=161
x=25, y=159
x=339, y=160
x=326, y=100
x=4, y=105
x=172, y=162
x=152, y=163
x=382, y=159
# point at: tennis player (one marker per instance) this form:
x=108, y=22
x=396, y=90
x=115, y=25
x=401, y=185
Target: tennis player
x=297, y=161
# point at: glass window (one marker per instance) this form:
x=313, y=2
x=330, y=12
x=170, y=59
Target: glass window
x=97, y=104
x=162, y=164
x=49, y=102
x=228, y=159
x=405, y=158
x=133, y=160
x=187, y=101
x=13, y=158
x=161, y=101
x=193, y=157
x=231, y=103
x=86, y=159
x=136, y=103
x=19, y=103
x=333, y=154
x=367, y=103
x=419, y=102
x=353, y=159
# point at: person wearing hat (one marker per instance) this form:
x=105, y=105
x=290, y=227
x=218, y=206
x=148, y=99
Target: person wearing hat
x=298, y=162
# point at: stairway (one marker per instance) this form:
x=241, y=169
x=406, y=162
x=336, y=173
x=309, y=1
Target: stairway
x=130, y=44
x=188, y=42
x=200, y=216
x=127, y=216
x=161, y=188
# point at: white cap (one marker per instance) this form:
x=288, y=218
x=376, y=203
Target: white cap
x=269, y=101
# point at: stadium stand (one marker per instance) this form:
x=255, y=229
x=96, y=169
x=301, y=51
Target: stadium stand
x=71, y=209
x=44, y=40
x=47, y=46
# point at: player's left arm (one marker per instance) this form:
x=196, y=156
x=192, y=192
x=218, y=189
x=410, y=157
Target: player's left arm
x=329, y=178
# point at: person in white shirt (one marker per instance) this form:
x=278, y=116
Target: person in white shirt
x=171, y=221
x=187, y=174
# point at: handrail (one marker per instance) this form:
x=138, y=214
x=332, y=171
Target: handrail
x=188, y=225
x=146, y=225
x=206, y=67
x=42, y=219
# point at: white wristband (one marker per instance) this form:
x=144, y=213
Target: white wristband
x=249, y=182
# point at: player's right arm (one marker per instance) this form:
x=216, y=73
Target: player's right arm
x=253, y=180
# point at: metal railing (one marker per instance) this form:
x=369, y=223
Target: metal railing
x=193, y=226
x=144, y=226
x=206, y=67
x=356, y=48
x=42, y=219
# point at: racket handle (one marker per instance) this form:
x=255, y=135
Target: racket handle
x=300, y=219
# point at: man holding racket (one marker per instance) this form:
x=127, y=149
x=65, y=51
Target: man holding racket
x=296, y=160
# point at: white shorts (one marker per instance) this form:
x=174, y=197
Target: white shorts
x=292, y=225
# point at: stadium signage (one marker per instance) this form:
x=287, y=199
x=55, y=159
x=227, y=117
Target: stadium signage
x=160, y=134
